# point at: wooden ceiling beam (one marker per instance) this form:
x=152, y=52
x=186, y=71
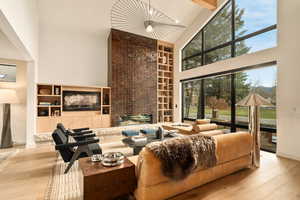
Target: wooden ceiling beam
x=209, y=4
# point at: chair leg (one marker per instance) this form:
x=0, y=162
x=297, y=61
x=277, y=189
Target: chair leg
x=73, y=159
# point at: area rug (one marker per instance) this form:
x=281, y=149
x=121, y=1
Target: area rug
x=67, y=186
x=5, y=156
x=64, y=186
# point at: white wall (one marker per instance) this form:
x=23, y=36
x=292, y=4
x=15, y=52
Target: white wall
x=23, y=18
x=8, y=50
x=18, y=111
x=288, y=99
x=72, y=57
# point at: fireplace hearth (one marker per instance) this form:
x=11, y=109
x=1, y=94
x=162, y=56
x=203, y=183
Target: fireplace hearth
x=127, y=120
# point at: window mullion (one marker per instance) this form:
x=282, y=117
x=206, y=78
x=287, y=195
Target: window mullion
x=202, y=54
x=233, y=102
x=202, y=99
x=233, y=28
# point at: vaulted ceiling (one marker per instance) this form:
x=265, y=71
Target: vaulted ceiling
x=7, y=49
x=93, y=16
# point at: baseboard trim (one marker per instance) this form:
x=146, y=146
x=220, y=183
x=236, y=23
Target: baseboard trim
x=284, y=155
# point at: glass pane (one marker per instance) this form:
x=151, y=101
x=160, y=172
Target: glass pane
x=217, y=55
x=194, y=47
x=262, y=81
x=218, y=31
x=8, y=73
x=254, y=15
x=191, y=63
x=218, y=98
x=260, y=42
x=268, y=140
x=191, y=100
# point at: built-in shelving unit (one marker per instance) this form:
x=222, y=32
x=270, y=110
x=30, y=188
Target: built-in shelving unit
x=165, y=81
x=50, y=109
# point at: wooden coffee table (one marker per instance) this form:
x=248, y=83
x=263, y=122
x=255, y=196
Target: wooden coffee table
x=107, y=183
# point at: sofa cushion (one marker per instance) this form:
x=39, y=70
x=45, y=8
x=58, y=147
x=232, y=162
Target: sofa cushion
x=202, y=121
x=148, y=131
x=204, y=127
x=130, y=133
x=233, y=145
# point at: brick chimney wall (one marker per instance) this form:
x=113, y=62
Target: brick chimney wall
x=132, y=74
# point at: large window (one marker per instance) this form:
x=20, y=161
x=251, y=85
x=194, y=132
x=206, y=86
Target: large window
x=215, y=97
x=240, y=27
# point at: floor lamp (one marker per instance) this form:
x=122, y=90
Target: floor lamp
x=7, y=97
x=254, y=101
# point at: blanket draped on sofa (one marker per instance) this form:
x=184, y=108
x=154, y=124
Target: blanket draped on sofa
x=180, y=156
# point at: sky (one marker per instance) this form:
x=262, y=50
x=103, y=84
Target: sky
x=260, y=14
x=265, y=76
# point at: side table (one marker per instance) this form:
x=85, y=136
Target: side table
x=107, y=183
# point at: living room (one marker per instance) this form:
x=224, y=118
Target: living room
x=89, y=84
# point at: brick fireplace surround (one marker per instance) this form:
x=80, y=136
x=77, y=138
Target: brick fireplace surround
x=132, y=75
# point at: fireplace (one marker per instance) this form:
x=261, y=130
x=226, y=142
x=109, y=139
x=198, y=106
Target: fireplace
x=126, y=120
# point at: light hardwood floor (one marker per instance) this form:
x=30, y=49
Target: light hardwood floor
x=26, y=177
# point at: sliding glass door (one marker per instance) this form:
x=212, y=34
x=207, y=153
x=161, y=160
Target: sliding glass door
x=215, y=97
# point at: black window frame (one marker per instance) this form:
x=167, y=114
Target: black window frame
x=231, y=43
x=232, y=124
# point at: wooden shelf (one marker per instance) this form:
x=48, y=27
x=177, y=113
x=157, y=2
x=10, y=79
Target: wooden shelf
x=49, y=115
x=165, y=67
x=50, y=95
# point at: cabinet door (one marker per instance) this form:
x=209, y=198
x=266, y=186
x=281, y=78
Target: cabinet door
x=97, y=121
x=106, y=121
x=47, y=124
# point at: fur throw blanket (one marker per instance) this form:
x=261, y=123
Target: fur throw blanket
x=180, y=156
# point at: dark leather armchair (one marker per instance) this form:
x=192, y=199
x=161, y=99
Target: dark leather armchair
x=70, y=152
x=78, y=134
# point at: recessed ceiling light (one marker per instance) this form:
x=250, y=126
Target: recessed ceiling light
x=177, y=21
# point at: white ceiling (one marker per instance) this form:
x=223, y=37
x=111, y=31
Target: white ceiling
x=8, y=50
x=93, y=16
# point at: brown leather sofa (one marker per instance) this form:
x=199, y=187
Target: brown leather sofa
x=233, y=153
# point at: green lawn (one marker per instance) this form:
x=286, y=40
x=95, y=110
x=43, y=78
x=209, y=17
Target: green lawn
x=266, y=113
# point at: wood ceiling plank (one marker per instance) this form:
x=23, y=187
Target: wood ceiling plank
x=209, y=4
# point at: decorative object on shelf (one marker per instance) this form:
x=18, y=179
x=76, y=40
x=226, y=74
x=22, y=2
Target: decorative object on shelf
x=44, y=91
x=7, y=97
x=164, y=59
x=57, y=91
x=45, y=103
x=105, y=111
x=254, y=101
x=43, y=113
x=141, y=18
x=106, y=99
x=56, y=113
x=56, y=103
x=112, y=159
